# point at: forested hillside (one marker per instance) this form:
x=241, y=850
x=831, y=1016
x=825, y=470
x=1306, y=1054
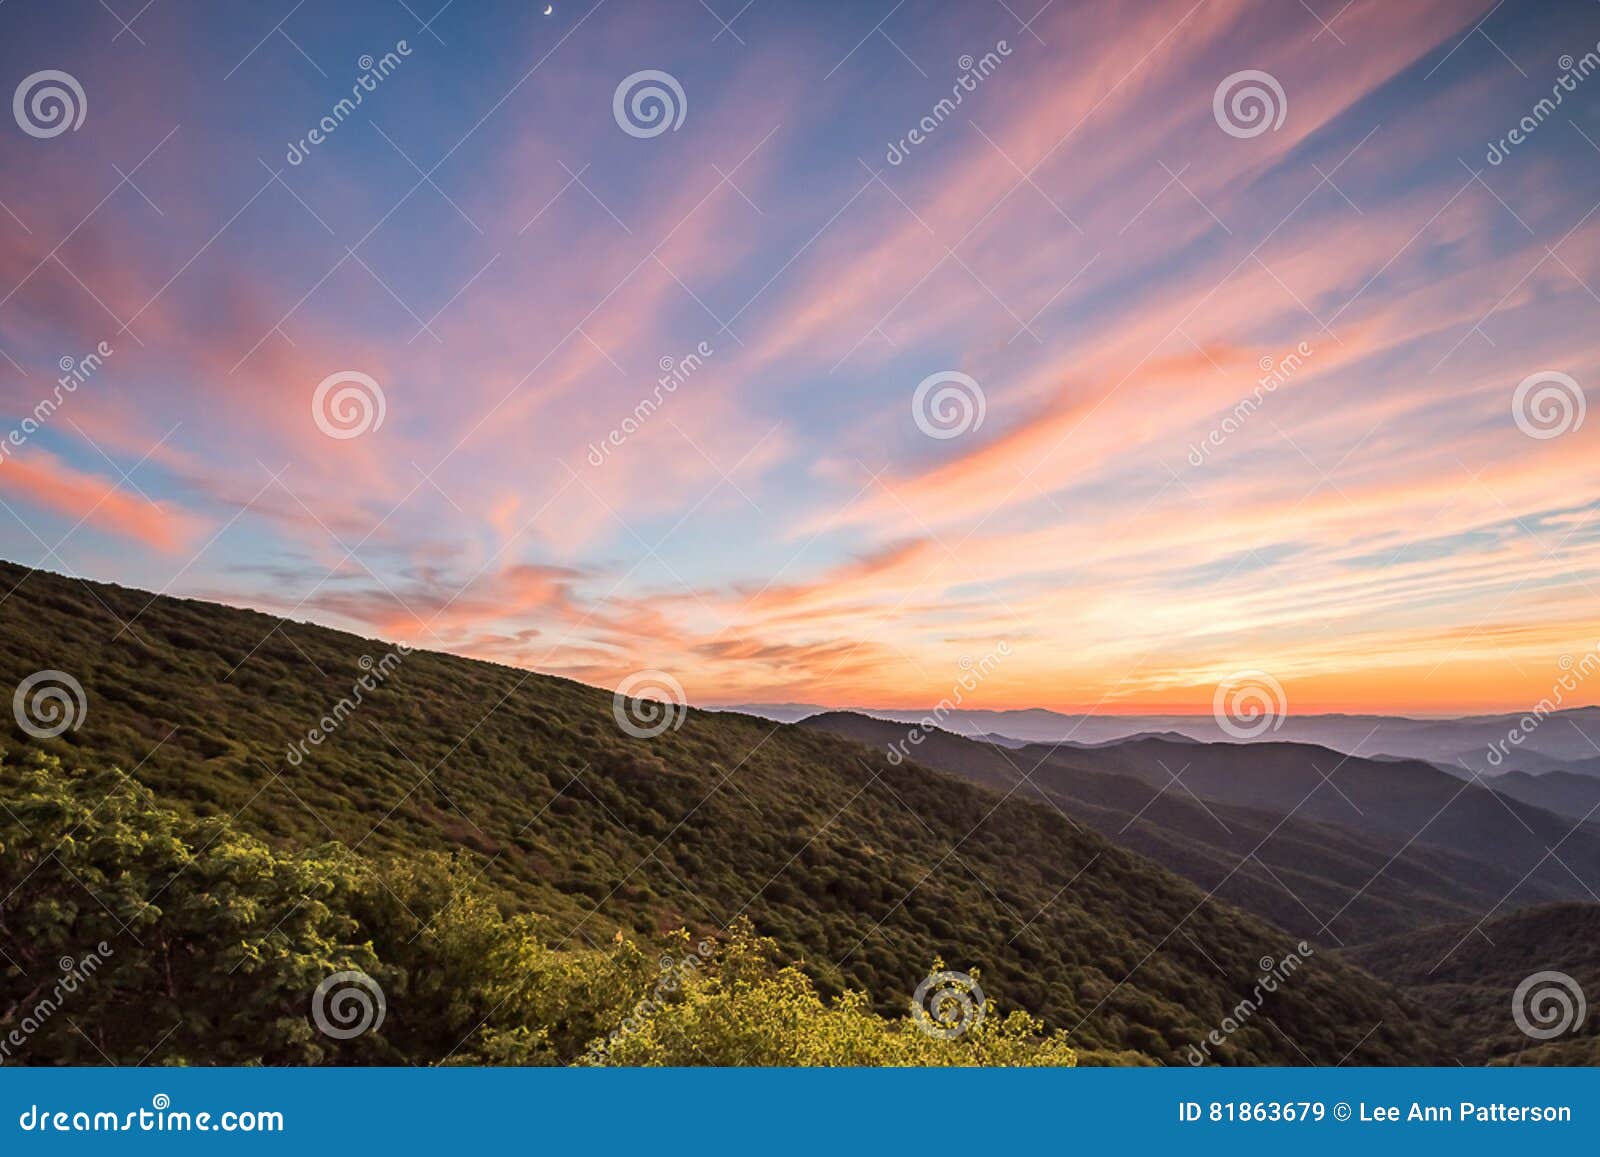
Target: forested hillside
x=862, y=872
x=1331, y=877
x=1537, y=964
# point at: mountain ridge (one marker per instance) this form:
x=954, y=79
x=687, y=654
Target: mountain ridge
x=1464, y=744
x=1304, y=872
x=862, y=870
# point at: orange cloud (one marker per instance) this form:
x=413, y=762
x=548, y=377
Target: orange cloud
x=39, y=478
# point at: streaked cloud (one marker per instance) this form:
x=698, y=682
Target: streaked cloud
x=1115, y=271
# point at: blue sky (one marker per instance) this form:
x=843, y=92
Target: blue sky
x=1102, y=260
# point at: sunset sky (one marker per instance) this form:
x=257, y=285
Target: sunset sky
x=1080, y=237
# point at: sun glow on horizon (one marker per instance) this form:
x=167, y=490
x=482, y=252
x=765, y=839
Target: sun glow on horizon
x=775, y=366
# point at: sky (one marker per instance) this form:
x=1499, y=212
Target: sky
x=1195, y=338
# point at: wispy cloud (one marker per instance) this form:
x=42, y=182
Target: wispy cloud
x=1080, y=237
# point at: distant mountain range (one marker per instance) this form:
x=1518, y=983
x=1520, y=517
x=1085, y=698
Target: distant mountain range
x=1466, y=969
x=1327, y=845
x=862, y=869
x=1125, y=890
x=1566, y=740
x=1566, y=792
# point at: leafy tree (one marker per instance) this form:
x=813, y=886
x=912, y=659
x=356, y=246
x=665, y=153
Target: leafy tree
x=534, y=803
x=741, y=1009
x=210, y=937
x=207, y=945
